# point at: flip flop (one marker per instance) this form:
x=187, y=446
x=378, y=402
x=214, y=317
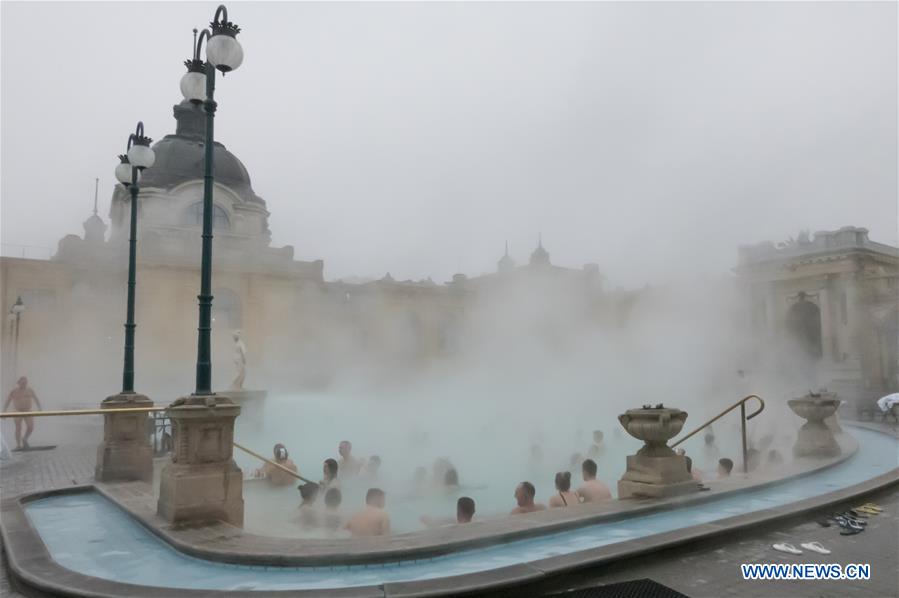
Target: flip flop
x=873, y=506
x=867, y=510
x=850, y=532
x=815, y=547
x=858, y=514
x=788, y=548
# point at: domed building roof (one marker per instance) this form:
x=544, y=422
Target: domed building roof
x=180, y=157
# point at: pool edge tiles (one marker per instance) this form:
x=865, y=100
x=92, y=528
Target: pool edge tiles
x=487, y=564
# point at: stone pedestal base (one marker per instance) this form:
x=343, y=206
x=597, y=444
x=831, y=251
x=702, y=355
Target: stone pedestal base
x=202, y=483
x=125, y=453
x=815, y=439
x=833, y=422
x=656, y=477
x=192, y=494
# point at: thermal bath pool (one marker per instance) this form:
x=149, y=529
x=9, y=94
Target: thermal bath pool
x=88, y=534
x=491, y=451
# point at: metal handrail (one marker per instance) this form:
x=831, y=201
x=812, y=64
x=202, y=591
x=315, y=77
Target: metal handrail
x=278, y=465
x=743, y=419
x=7, y=414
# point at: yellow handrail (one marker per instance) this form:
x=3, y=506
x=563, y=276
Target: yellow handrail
x=139, y=410
x=743, y=417
x=7, y=414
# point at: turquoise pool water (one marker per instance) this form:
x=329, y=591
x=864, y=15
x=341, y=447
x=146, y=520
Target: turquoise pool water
x=88, y=534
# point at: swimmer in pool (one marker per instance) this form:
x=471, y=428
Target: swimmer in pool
x=309, y=511
x=596, y=449
x=329, y=473
x=372, y=468
x=592, y=489
x=451, y=480
x=349, y=465
x=275, y=475
x=563, y=497
x=524, y=496
x=464, y=514
x=725, y=466
x=332, y=518
x=373, y=520
x=694, y=473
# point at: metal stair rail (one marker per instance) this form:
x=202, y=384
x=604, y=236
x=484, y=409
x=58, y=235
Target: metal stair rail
x=743, y=419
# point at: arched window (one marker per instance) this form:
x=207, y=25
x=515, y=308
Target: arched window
x=193, y=216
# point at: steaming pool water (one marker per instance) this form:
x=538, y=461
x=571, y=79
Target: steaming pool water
x=491, y=452
x=82, y=532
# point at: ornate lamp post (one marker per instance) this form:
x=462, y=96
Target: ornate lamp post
x=125, y=453
x=223, y=52
x=202, y=482
x=137, y=157
x=15, y=313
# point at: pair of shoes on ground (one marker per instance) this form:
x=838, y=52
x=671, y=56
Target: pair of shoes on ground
x=849, y=523
x=869, y=509
x=811, y=546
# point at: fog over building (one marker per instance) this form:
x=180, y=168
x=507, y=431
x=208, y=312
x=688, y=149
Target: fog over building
x=830, y=297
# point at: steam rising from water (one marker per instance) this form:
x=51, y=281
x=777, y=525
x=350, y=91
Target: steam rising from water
x=534, y=364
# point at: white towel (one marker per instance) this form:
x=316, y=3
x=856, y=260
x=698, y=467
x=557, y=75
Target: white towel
x=887, y=402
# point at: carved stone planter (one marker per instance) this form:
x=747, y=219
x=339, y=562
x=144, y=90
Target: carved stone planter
x=202, y=483
x=656, y=470
x=815, y=438
x=125, y=453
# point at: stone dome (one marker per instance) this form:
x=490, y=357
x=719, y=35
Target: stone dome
x=180, y=157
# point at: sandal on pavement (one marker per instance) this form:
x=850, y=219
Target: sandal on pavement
x=788, y=548
x=847, y=531
x=815, y=547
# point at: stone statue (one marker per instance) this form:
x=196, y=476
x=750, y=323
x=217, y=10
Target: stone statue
x=240, y=361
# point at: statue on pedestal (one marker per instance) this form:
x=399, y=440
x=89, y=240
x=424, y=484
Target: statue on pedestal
x=240, y=361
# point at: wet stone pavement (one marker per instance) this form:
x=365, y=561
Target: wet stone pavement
x=711, y=569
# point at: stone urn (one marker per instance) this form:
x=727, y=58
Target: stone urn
x=655, y=471
x=655, y=426
x=815, y=438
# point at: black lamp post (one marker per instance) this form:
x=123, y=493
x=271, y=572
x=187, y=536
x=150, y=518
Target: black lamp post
x=15, y=313
x=138, y=156
x=223, y=52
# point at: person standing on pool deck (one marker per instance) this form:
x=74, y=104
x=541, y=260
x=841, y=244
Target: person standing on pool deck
x=349, y=465
x=22, y=397
x=524, y=495
x=373, y=520
x=592, y=490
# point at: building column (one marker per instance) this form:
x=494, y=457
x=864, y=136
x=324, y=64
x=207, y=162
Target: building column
x=828, y=328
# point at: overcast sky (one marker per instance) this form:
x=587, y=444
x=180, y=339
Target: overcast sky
x=416, y=138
